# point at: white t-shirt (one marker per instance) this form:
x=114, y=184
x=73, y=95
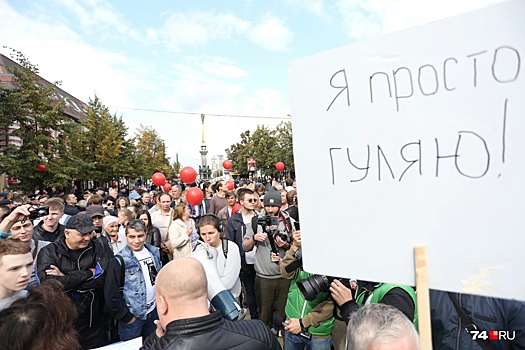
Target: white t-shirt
x=249, y=256
x=150, y=274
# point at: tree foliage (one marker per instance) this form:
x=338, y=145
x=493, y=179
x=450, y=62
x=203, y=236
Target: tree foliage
x=151, y=152
x=266, y=146
x=35, y=112
x=96, y=148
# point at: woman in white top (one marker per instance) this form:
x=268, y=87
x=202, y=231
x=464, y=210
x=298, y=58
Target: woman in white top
x=179, y=232
x=211, y=229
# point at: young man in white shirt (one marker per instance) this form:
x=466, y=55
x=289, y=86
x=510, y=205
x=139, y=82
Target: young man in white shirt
x=132, y=301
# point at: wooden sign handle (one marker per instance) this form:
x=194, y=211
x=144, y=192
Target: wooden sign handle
x=423, y=298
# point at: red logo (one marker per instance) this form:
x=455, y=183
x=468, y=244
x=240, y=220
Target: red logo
x=493, y=335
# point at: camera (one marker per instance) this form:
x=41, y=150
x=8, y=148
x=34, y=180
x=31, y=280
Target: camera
x=270, y=225
x=38, y=212
x=316, y=284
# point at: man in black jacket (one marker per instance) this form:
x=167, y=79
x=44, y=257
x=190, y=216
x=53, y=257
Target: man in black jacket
x=181, y=292
x=49, y=228
x=243, y=221
x=78, y=262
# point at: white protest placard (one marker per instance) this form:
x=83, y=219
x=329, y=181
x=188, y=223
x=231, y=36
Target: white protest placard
x=417, y=138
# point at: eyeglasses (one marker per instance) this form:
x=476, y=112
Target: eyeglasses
x=110, y=204
x=251, y=200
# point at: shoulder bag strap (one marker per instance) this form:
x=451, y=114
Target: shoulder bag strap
x=35, y=251
x=122, y=272
x=225, y=247
x=469, y=325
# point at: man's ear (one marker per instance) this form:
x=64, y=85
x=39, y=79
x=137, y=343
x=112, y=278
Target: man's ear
x=162, y=305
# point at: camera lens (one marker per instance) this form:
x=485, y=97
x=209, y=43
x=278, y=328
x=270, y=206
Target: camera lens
x=313, y=285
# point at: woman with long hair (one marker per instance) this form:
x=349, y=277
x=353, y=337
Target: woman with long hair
x=152, y=232
x=180, y=231
x=122, y=203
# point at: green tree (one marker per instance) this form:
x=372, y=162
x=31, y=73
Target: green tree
x=239, y=152
x=102, y=146
x=266, y=146
x=284, y=145
x=30, y=111
x=151, y=151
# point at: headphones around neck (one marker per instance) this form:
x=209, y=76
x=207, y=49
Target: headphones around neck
x=217, y=223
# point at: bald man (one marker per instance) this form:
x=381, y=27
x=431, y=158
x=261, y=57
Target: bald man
x=185, y=322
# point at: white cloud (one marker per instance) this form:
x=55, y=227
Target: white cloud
x=221, y=67
x=197, y=28
x=101, y=17
x=372, y=18
x=61, y=55
x=191, y=84
x=362, y=18
x=315, y=7
x=271, y=34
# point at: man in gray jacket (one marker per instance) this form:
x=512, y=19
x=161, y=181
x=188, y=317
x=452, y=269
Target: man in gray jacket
x=270, y=288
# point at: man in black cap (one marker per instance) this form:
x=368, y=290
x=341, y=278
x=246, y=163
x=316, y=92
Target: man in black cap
x=79, y=262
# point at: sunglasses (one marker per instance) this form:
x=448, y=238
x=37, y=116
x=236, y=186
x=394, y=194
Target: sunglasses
x=110, y=204
x=251, y=200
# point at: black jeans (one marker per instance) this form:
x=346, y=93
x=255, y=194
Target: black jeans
x=248, y=280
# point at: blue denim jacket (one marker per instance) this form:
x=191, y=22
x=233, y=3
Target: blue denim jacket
x=134, y=283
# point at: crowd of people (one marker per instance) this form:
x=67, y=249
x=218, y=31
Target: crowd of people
x=85, y=269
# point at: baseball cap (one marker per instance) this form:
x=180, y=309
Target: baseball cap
x=272, y=199
x=82, y=223
x=134, y=195
x=95, y=210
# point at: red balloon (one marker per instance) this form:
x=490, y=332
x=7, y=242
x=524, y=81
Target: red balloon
x=41, y=167
x=227, y=164
x=194, y=196
x=166, y=187
x=231, y=185
x=158, y=179
x=279, y=166
x=188, y=175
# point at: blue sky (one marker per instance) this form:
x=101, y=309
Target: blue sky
x=211, y=57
